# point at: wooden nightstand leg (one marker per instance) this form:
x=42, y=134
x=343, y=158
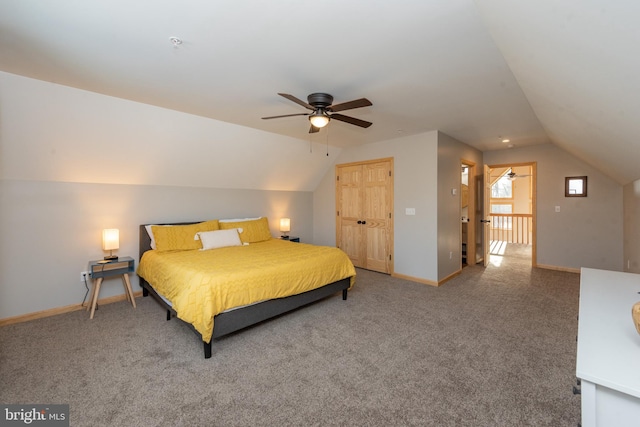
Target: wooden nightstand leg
x=90, y=300
x=128, y=290
x=96, y=292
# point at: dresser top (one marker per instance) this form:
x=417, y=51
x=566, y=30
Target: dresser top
x=608, y=343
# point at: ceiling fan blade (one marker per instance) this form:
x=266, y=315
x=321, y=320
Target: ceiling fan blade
x=296, y=100
x=285, y=115
x=351, y=120
x=357, y=103
x=314, y=129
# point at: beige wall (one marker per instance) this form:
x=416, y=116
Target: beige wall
x=426, y=167
x=449, y=226
x=50, y=230
x=632, y=227
x=415, y=166
x=74, y=162
x=588, y=231
x=51, y=132
x=522, y=191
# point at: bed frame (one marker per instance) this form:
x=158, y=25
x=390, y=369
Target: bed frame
x=234, y=320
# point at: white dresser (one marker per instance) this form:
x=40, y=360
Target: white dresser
x=608, y=359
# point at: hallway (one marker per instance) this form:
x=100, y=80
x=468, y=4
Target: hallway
x=510, y=254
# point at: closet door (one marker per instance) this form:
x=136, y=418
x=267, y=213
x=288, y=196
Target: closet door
x=364, y=222
x=376, y=214
x=349, y=231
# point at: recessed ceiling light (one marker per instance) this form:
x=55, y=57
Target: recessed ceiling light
x=175, y=41
x=506, y=140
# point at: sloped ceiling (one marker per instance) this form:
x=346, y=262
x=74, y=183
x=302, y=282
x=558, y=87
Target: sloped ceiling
x=533, y=72
x=577, y=63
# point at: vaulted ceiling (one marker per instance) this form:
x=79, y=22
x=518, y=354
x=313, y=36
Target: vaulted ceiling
x=480, y=71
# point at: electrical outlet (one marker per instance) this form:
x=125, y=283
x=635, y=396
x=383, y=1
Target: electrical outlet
x=84, y=275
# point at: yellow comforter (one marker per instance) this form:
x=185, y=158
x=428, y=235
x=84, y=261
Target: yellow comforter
x=202, y=284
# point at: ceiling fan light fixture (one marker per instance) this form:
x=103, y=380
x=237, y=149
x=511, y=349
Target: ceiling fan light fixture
x=319, y=119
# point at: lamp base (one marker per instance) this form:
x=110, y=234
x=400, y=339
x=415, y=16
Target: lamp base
x=111, y=258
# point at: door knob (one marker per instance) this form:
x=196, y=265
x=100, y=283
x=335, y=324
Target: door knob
x=485, y=220
x=364, y=222
x=359, y=222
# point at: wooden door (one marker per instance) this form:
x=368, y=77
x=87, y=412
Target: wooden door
x=350, y=236
x=364, y=221
x=377, y=215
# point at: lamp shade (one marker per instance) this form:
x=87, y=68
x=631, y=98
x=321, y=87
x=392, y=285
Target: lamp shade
x=285, y=224
x=319, y=119
x=110, y=239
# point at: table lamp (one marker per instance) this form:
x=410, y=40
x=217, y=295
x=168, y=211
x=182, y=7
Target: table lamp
x=285, y=226
x=110, y=241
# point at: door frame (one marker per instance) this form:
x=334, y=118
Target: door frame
x=486, y=215
x=534, y=202
x=391, y=220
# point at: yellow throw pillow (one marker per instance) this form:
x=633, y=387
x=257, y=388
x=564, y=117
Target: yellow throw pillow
x=253, y=231
x=181, y=237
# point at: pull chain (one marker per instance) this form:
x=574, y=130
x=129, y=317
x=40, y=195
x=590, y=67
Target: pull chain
x=328, y=139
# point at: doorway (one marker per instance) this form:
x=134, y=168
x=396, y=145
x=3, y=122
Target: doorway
x=468, y=240
x=509, y=213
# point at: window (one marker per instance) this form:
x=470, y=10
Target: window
x=502, y=208
x=575, y=186
x=502, y=188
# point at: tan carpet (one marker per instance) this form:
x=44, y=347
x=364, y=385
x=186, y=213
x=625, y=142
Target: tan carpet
x=492, y=347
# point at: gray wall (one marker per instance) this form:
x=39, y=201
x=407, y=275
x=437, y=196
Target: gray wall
x=415, y=166
x=450, y=155
x=50, y=230
x=74, y=162
x=632, y=227
x=50, y=132
x=426, y=167
x=588, y=231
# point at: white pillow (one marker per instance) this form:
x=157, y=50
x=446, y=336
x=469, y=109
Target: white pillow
x=150, y=233
x=219, y=238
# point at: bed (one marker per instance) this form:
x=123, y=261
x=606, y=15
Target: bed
x=220, y=288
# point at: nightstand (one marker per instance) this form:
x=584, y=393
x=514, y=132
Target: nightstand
x=291, y=238
x=101, y=269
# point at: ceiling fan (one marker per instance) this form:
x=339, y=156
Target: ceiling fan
x=322, y=110
x=511, y=175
